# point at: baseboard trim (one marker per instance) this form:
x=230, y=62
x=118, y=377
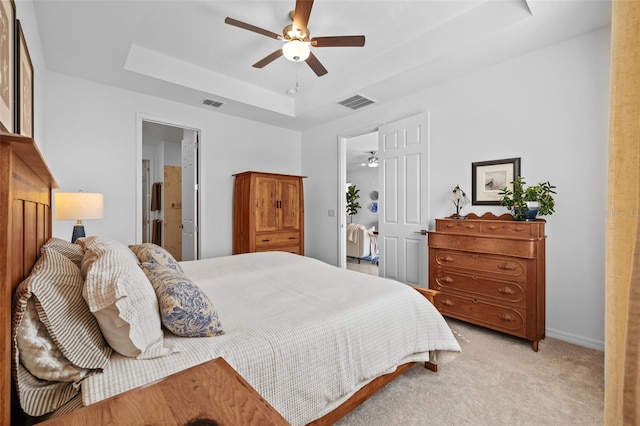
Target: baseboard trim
x=572, y=338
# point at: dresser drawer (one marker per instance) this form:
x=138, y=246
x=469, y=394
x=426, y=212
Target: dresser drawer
x=512, y=247
x=493, y=228
x=272, y=239
x=494, y=316
x=481, y=263
x=507, y=292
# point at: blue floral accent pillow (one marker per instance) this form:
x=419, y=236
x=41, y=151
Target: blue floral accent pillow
x=185, y=310
x=153, y=253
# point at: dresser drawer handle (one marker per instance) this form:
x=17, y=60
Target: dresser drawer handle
x=447, y=302
x=470, y=227
x=492, y=227
x=265, y=241
x=506, y=317
x=447, y=258
x=292, y=238
x=447, y=279
x=506, y=290
x=519, y=228
x=450, y=225
x=507, y=267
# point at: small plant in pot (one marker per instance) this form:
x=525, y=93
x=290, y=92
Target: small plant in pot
x=527, y=202
x=353, y=205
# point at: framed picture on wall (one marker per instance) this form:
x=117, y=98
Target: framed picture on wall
x=7, y=65
x=489, y=178
x=24, y=113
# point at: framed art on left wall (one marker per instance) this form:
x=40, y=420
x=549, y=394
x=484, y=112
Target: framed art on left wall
x=24, y=111
x=7, y=65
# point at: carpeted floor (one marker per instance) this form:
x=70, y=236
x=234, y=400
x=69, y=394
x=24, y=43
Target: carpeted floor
x=363, y=266
x=496, y=380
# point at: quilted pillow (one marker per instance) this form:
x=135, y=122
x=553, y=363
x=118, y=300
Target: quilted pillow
x=72, y=251
x=149, y=252
x=185, y=309
x=56, y=340
x=123, y=301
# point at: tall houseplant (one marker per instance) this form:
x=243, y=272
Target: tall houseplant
x=527, y=202
x=353, y=194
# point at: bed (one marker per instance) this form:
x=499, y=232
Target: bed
x=314, y=340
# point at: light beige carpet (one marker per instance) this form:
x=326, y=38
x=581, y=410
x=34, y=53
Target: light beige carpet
x=496, y=380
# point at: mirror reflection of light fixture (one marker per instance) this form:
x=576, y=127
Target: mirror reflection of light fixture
x=459, y=199
x=78, y=206
x=296, y=50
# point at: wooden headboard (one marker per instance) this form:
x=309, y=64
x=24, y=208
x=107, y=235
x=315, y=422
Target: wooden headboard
x=25, y=225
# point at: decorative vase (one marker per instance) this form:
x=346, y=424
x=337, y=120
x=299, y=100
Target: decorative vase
x=528, y=213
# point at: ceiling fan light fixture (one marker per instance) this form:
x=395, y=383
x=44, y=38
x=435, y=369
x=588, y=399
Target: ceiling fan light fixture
x=372, y=161
x=296, y=50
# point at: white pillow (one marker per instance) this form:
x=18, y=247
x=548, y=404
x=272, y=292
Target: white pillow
x=122, y=299
x=39, y=353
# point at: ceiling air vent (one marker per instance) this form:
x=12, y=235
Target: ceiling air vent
x=212, y=103
x=356, y=102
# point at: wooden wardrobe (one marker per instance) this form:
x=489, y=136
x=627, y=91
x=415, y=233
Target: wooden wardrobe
x=268, y=213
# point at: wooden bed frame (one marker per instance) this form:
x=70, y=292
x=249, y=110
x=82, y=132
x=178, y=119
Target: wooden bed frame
x=25, y=225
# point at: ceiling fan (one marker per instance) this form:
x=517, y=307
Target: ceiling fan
x=298, y=41
x=372, y=161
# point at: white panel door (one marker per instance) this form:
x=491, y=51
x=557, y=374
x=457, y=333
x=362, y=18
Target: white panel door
x=189, y=195
x=403, y=150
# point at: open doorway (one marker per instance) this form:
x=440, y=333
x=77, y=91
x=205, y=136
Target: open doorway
x=361, y=194
x=169, y=199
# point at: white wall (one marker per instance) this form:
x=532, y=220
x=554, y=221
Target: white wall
x=91, y=145
x=550, y=108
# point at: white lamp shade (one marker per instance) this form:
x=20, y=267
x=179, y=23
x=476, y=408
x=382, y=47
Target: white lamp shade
x=78, y=205
x=296, y=50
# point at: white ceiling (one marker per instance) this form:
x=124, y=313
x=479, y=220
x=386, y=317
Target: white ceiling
x=182, y=50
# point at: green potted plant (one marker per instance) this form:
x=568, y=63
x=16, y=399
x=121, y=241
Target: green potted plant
x=353, y=194
x=527, y=202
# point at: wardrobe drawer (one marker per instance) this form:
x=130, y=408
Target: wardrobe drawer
x=501, y=291
x=288, y=249
x=491, y=264
x=502, y=318
x=277, y=239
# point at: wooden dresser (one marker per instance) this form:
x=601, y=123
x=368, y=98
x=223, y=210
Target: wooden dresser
x=268, y=213
x=490, y=271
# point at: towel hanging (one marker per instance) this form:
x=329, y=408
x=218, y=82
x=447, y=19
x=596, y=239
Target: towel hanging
x=156, y=232
x=156, y=196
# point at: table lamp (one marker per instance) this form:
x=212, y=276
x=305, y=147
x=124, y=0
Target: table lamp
x=459, y=199
x=78, y=206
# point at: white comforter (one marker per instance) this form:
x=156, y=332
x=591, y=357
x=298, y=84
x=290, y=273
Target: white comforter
x=304, y=334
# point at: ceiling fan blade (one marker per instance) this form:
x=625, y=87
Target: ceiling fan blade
x=268, y=59
x=301, y=14
x=338, y=41
x=315, y=65
x=250, y=27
